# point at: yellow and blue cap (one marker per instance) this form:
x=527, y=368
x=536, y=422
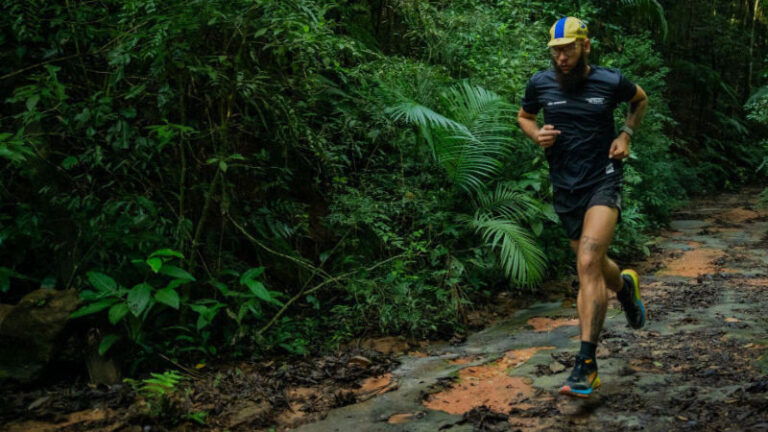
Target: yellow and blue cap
x=567, y=30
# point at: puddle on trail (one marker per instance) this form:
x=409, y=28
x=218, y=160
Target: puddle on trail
x=488, y=385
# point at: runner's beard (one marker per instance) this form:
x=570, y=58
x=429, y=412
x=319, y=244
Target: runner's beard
x=573, y=80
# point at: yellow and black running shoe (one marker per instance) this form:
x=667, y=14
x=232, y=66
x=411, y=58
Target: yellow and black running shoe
x=630, y=300
x=583, y=379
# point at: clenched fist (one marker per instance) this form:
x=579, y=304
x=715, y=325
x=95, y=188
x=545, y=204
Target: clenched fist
x=619, y=148
x=547, y=135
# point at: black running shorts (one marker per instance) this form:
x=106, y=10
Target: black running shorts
x=572, y=205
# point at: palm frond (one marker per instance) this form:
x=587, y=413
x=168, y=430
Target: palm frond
x=472, y=157
x=520, y=257
x=469, y=104
x=506, y=202
x=419, y=115
x=470, y=142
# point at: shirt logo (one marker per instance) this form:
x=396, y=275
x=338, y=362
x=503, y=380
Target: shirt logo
x=596, y=101
x=609, y=169
x=557, y=103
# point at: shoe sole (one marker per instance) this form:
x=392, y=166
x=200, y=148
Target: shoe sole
x=584, y=394
x=636, y=285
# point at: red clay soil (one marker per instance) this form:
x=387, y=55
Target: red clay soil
x=541, y=324
x=402, y=418
x=693, y=263
x=488, y=385
x=740, y=215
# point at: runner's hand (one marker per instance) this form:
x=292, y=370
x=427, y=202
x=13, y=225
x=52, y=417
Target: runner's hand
x=547, y=135
x=619, y=148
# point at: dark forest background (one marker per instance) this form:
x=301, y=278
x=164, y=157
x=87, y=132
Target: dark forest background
x=237, y=178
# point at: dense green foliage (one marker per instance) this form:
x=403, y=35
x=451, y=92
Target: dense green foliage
x=244, y=175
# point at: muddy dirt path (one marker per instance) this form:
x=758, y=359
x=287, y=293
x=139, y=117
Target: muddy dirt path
x=701, y=362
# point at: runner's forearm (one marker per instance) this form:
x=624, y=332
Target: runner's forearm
x=636, y=113
x=529, y=126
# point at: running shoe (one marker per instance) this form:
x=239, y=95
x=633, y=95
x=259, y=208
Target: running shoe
x=583, y=379
x=630, y=300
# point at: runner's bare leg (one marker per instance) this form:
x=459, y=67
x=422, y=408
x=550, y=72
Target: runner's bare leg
x=597, y=272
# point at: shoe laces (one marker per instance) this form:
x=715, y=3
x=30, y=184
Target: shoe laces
x=578, y=370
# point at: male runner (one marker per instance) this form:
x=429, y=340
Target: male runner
x=584, y=155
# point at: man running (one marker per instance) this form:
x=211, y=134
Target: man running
x=584, y=155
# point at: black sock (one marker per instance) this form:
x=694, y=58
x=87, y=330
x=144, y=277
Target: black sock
x=588, y=350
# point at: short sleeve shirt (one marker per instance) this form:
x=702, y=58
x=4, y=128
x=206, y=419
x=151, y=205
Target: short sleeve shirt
x=579, y=157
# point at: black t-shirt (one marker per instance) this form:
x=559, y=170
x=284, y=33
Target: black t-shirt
x=579, y=157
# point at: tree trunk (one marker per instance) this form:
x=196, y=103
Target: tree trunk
x=751, y=49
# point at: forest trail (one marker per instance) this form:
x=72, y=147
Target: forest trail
x=700, y=363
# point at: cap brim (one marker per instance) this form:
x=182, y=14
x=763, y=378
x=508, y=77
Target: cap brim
x=561, y=41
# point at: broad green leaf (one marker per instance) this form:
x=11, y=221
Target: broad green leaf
x=107, y=343
x=155, y=264
x=176, y=272
x=117, y=312
x=138, y=298
x=168, y=296
x=251, y=274
x=538, y=227
x=102, y=282
x=257, y=288
x=89, y=295
x=175, y=283
x=199, y=308
x=255, y=309
x=93, y=308
x=202, y=321
x=32, y=102
x=221, y=287
x=166, y=253
x=207, y=314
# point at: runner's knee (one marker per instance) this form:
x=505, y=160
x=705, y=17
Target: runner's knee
x=589, y=263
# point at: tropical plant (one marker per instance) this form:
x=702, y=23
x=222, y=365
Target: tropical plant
x=158, y=391
x=470, y=143
x=134, y=305
x=247, y=136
